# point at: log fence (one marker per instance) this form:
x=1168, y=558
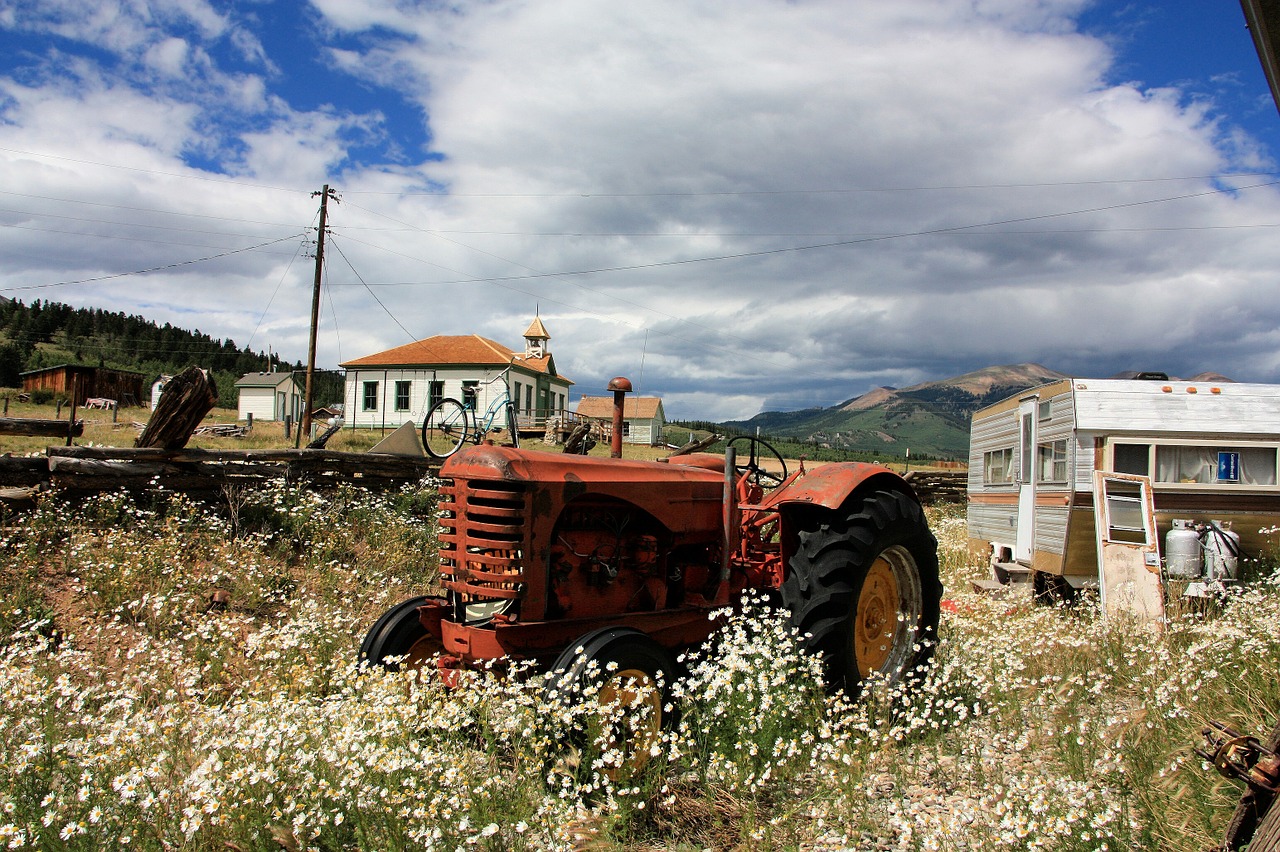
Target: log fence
x=95, y=469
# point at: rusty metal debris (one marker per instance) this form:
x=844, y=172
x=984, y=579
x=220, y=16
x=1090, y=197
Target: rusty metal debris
x=1255, y=823
x=1240, y=757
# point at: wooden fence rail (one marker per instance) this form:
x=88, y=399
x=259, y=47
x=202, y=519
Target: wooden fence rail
x=31, y=427
x=88, y=469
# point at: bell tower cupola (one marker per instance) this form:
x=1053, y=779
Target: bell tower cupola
x=535, y=339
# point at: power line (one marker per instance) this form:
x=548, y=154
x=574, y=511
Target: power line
x=824, y=191
x=120, y=237
x=385, y=309
x=135, y=209
x=708, y=194
x=952, y=229
x=151, y=269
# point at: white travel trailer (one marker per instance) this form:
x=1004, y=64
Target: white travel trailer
x=1210, y=450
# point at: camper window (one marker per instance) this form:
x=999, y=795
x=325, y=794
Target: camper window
x=1052, y=458
x=1207, y=465
x=1133, y=458
x=1125, y=503
x=997, y=467
x=1172, y=463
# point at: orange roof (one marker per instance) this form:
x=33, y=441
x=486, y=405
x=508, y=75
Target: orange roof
x=537, y=329
x=633, y=407
x=453, y=351
x=441, y=349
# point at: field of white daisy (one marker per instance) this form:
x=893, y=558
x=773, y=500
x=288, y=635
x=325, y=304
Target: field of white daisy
x=182, y=676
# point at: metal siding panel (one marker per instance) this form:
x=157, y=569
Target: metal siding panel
x=1138, y=406
x=1083, y=461
x=1061, y=419
x=1051, y=529
x=991, y=433
x=992, y=523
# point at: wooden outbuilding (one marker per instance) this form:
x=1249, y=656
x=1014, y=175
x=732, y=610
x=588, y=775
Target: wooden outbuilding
x=79, y=383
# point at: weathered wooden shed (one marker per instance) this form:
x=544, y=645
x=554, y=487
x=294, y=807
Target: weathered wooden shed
x=79, y=383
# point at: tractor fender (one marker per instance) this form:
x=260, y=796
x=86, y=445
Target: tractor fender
x=832, y=485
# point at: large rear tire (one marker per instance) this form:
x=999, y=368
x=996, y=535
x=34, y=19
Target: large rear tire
x=863, y=589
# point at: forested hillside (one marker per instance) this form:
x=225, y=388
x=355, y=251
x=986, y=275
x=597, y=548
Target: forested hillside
x=47, y=334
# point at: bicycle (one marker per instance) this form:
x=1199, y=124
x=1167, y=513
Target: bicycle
x=453, y=423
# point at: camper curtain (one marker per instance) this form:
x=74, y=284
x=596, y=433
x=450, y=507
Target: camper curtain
x=1200, y=464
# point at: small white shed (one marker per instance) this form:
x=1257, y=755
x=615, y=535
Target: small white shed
x=157, y=388
x=642, y=417
x=270, y=396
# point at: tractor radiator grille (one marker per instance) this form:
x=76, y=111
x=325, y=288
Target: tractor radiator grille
x=482, y=539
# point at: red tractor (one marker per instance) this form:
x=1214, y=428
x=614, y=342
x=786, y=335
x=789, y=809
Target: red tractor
x=570, y=560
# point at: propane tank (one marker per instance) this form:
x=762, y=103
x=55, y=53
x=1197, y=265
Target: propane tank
x=1182, y=551
x=1221, y=551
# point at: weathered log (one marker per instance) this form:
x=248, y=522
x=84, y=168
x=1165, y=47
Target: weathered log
x=19, y=498
x=939, y=486
x=580, y=440
x=186, y=399
x=105, y=468
x=20, y=471
x=32, y=427
x=695, y=446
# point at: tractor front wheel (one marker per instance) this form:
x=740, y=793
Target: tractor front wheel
x=630, y=676
x=863, y=589
x=398, y=640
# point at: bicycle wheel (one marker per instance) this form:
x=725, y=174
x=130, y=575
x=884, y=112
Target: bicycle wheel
x=513, y=424
x=444, y=428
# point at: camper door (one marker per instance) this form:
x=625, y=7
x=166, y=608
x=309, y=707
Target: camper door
x=1024, y=541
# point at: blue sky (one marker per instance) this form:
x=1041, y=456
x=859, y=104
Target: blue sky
x=772, y=205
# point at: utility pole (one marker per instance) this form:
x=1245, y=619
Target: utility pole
x=308, y=399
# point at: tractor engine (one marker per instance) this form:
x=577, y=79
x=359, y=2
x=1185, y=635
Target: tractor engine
x=609, y=556
x=606, y=557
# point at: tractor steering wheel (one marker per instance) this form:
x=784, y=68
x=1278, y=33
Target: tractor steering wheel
x=766, y=479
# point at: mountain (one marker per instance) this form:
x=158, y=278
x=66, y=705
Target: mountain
x=930, y=419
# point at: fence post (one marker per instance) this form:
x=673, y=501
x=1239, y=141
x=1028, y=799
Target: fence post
x=288, y=425
x=249, y=421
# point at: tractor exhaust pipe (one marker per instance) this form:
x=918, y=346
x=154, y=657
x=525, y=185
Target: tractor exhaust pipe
x=728, y=542
x=620, y=387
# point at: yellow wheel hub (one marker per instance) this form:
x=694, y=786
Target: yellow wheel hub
x=638, y=702
x=421, y=652
x=876, y=618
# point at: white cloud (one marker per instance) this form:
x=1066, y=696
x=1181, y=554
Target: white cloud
x=996, y=193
